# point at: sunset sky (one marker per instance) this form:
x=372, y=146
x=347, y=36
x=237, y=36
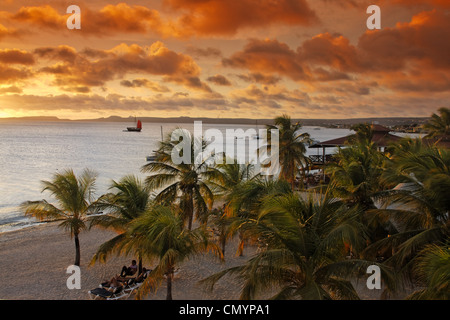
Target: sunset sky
x=224, y=58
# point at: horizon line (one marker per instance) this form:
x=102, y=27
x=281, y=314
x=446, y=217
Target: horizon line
x=119, y=118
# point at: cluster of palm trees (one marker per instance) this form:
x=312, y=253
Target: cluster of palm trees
x=387, y=209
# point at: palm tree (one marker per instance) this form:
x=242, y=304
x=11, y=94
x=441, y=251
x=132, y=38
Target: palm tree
x=438, y=125
x=434, y=270
x=419, y=205
x=356, y=173
x=363, y=133
x=304, y=254
x=224, y=178
x=183, y=182
x=161, y=235
x=355, y=177
x=245, y=202
x=292, y=148
x=357, y=169
x=74, y=198
x=129, y=200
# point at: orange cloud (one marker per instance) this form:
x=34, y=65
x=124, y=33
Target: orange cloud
x=16, y=56
x=120, y=18
x=333, y=51
x=428, y=3
x=410, y=56
x=10, y=75
x=74, y=69
x=218, y=17
x=187, y=18
x=422, y=40
x=23, y=59
x=5, y=32
x=268, y=56
x=43, y=16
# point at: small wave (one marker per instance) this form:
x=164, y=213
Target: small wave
x=17, y=225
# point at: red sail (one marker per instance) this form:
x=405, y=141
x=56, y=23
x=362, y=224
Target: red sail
x=139, y=124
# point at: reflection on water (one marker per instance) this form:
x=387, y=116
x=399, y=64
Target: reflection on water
x=34, y=151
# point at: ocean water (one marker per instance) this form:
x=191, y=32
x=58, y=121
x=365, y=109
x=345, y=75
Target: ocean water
x=33, y=151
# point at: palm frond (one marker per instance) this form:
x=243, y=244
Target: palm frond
x=42, y=210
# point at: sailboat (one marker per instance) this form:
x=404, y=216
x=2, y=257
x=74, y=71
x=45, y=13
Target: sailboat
x=138, y=127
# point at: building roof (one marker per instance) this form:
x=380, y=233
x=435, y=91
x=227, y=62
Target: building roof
x=380, y=136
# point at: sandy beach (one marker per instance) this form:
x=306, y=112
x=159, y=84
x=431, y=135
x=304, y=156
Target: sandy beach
x=37, y=259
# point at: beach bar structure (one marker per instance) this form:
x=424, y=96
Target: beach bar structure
x=381, y=137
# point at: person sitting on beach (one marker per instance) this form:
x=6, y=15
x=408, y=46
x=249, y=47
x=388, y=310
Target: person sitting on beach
x=114, y=283
x=118, y=281
x=129, y=271
x=141, y=277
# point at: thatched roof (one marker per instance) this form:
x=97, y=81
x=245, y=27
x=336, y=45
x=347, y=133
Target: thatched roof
x=380, y=136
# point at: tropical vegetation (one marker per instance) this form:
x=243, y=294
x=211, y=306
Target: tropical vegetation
x=389, y=209
x=129, y=199
x=73, y=197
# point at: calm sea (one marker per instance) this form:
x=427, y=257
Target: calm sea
x=34, y=151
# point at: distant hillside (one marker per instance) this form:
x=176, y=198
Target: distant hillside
x=50, y=118
x=306, y=122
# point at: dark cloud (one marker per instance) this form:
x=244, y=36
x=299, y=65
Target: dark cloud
x=144, y=83
x=260, y=78
x=220, y=80
x=218, y=17
x=16, y=56
x=268, y=56
x=10, y=75
x=203, y=52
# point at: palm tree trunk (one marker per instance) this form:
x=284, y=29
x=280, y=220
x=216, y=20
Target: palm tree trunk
x=190, y=210
x=240, y=250
x=169, y=283
x=223, y=242
x=77, y=250
x=140, y=264
x=190, y=222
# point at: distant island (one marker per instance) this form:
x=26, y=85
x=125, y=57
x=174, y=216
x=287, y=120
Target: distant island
x=392, y=122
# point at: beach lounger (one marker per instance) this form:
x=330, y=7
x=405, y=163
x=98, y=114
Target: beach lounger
x=134, y=285
x=102, y=293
